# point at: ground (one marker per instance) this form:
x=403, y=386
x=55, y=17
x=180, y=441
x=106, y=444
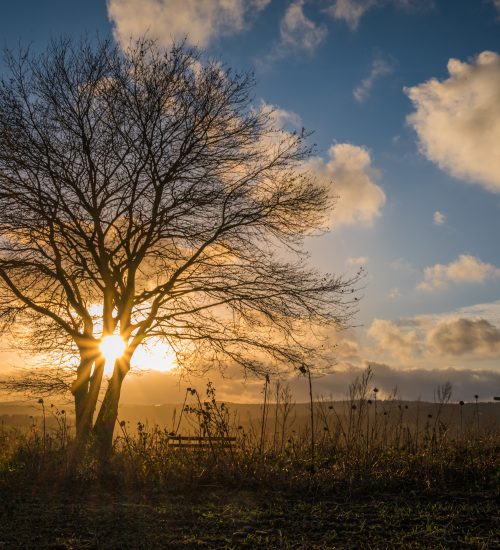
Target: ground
x=215, y=518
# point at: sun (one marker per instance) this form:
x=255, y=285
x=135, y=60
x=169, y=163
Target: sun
x=155, y=355
x=112, y=348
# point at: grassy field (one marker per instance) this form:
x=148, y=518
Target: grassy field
x=220, y=518
x=361, y=474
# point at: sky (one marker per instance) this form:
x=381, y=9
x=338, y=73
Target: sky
x=403, y=99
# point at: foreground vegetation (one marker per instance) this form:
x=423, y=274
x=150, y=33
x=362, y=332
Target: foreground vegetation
x=368, y=475
x=219, y=518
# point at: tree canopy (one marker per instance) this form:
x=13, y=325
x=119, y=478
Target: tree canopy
x=142, y=193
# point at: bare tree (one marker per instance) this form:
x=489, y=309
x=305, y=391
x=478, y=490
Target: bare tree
x=144, y=186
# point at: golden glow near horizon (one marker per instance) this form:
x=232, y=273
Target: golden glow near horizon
x=154, y=355
x=112, y=347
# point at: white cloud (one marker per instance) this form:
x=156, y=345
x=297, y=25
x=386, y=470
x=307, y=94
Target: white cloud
x=489, y=311
x=432, y=338
x=414, y=5
x=360, y=260
x=350, y=11
x=359, y=199
x=465, y=337
x=394, y=294
x=466, y=269
x=380, y=67
x=349, y=167
x=393, y=340
x=496, y=3
x=439, y=218
x=457, y=120
x=167, y=20
x=283, y=119
x=299, y=32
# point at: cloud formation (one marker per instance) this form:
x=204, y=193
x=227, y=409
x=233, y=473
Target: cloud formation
x=465, y=337
x=298, y=32
x=394, y=293
x=351, y=11
x=392, y=340
x=167, y=20
x=457, y=120
x=423, y=382
x=471, y=333
x=281, y=118
x=439, y=218
x=348, y=170
x=380, y=68
x=349, y=167
x=360, y=260
x=466, y=269
x=159, y=388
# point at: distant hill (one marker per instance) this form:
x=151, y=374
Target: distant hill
x=249, y=416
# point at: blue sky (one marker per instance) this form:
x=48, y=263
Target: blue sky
x=419, y=197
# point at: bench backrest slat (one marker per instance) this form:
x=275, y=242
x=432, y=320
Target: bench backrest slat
x=199, y=438
x=200, y=442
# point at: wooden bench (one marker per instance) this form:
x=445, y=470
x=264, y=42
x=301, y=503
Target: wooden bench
x=200, y=442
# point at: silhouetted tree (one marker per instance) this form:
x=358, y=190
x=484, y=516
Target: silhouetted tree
x=142, y=194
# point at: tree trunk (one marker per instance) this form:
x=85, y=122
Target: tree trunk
x=106, y=419
x=80, y=389
x=86, y=391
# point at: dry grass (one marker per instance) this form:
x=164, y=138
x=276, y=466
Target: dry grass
x=379, y=474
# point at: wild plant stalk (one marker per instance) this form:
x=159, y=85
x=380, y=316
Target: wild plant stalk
x=441, y=398
x=264, y=415
x=375, y=426
x=417, y=427
x=41, y=401
x=340, y=427
x=276, y=413
x=345, y=456
x=305, y=370
x=204, y=425
x=189, y=391
x=476, y=411
x=461, y=404
x=287, y=405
